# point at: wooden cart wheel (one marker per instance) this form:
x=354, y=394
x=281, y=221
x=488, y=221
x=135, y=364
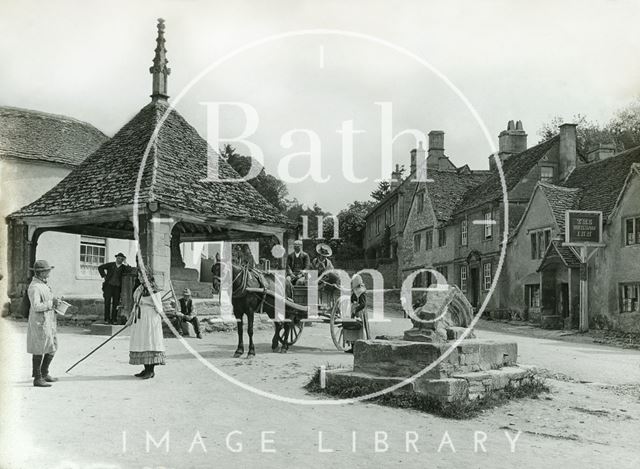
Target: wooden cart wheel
x=295, y=330
x=335, y=325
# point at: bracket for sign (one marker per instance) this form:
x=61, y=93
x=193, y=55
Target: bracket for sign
x=579, y=254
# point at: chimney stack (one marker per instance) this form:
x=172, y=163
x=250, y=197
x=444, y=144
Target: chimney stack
x=601, y=152
x=436, y=143
x=396, y=178
x=413, y=161
x=511, y=141
x=567, y=153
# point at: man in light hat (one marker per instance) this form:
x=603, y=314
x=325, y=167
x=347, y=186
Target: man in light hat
x=187, y=313
x=112, y=272
x=42, y=341
x=298, y=263
x=322, y=261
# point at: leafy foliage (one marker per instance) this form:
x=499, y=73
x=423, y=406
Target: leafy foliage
x=623, y=129
x=270, y=187
x=384, y=187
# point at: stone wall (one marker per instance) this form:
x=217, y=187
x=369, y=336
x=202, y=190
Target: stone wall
x=615, y=264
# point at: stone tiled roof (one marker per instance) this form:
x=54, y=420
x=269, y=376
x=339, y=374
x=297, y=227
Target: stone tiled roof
x=601, y=182
x=557, y=250
x=448, y=189
x=560, y=200
x=38, y=136
x=514, y=169
x=173, y=175
x=516, y=213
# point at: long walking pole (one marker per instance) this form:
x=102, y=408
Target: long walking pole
x=95, y=349
x=106, y=341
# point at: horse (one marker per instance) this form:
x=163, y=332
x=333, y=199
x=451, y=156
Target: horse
x=246, y=300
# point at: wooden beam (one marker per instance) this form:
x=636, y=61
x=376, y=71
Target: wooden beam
x=240, y=225
x=85, y=217
x=221, y=236
x=93, y=230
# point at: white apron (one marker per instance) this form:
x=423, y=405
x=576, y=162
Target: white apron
x=146, y=330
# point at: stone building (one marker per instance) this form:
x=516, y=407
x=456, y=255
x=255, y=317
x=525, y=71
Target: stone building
x=384, y=224
x=149, y=183
x=37, y=151
x=429, y=237
x=467, y=210
x=541, y=280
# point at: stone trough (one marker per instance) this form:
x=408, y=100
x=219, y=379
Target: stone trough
x=431, y=363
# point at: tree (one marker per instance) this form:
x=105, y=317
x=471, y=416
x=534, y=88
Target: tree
x=625, y=125
x=381, y=191
x=296, y=210
x=623, y=129
x=588, y=134
x=270, y=187
x=351, y=230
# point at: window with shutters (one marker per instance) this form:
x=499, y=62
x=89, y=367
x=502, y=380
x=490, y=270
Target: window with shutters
x=632, y=231
x=463, y=232
x=540, y=240
x=417, y=239
x=463, y=277
x=487, y=275
x=629, y=293
x=428, y=241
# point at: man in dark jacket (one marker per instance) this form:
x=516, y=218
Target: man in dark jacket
x=187, y=313
x=112, y=272
x=298, y=263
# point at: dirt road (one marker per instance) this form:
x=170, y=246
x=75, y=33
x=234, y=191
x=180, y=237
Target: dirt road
x=101, y=416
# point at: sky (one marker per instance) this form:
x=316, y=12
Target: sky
x=434, y=64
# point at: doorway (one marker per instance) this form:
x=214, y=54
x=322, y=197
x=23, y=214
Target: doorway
x=474, y=285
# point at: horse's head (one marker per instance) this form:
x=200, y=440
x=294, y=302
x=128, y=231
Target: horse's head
x=220, y=272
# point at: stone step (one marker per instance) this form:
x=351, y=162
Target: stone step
x=404, y=358
x=463, y=386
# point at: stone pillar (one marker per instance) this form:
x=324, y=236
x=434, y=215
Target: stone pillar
x=21, y=255
x=155, y=247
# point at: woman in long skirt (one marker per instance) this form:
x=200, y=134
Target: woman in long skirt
x=146, y=345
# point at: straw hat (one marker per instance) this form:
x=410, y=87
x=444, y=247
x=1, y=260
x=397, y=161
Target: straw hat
x=324, y=250
x=186, y=291
x=41, y=265
x=297, y=242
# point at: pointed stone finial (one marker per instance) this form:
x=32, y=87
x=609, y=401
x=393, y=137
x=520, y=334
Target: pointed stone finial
x=159, y=70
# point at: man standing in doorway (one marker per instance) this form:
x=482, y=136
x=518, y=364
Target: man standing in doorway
x=112, y=272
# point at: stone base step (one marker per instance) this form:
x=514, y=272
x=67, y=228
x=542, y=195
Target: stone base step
x=405, y=358
x=463, y=386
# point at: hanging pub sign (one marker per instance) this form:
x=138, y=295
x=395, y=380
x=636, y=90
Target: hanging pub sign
x=583, y=228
